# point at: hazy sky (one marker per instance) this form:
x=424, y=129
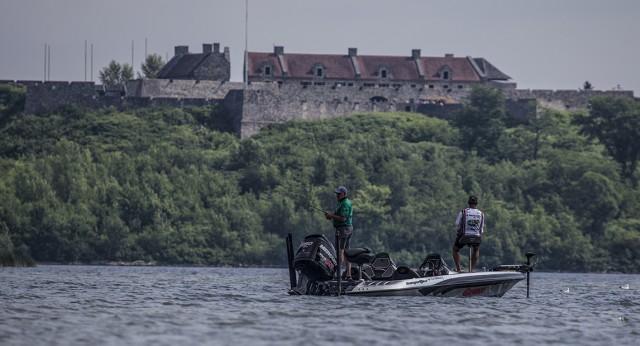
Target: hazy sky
x=541, y=44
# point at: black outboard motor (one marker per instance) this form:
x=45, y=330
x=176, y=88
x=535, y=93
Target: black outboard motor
x=316, y=258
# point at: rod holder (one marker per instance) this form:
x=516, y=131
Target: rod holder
x=339, y=271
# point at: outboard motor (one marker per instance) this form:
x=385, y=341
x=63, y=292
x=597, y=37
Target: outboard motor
x=316, y=258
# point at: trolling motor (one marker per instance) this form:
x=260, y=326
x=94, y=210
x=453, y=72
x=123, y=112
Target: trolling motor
x=529, y=268
x=523, y=268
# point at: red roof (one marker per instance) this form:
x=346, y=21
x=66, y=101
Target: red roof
x=399, y=68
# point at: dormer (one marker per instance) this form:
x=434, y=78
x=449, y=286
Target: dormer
x=266, y=70
x=318, y=70
x=384, y=72
x=444, y=73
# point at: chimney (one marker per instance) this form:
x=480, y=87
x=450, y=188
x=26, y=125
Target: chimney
x=206, y=48
x=278, y=50
x=179, y=50
x=448, y=55
x=216, y=47
x=227, y=55
x=353, y=51
x=415, y=53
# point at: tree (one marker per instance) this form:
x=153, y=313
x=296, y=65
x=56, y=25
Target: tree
x=482, y=121
x=615, y=122
x=587, y=86
x=115, y=74
x=152, y=65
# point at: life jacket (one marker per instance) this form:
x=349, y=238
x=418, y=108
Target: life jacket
x=471, y=223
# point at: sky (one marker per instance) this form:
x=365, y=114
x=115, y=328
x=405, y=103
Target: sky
x=541, y=44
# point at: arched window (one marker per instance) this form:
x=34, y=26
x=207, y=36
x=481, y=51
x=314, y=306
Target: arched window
x=445, y=74
x=383, y=73
x=318, y=71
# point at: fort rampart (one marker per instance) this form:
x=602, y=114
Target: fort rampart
x=246, y=110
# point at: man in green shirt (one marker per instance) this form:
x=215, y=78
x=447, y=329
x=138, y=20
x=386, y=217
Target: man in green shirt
x=342, y=221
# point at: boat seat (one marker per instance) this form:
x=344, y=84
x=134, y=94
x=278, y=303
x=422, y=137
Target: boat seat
x=359, y=256
x=404, y=273
x=433, y=265
x=353, y=252
x=383, y=266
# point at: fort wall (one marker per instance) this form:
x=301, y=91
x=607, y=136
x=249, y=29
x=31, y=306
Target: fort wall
x=43, y=97
x=264, y=103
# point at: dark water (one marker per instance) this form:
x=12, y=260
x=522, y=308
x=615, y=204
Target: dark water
x=67, y=305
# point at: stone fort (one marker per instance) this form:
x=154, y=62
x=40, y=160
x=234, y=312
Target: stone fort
x=288, y=86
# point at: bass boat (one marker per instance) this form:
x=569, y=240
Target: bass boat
x=313, y=271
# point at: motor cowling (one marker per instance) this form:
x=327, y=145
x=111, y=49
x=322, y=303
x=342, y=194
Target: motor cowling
x=316, y=258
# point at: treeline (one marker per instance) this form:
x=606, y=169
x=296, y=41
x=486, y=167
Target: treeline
x=160, y=185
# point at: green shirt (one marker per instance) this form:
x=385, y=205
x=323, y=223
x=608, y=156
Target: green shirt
x=344, y=209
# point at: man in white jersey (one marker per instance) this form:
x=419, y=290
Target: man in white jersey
x=469, y=229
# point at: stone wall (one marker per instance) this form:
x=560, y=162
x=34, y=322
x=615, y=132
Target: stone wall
x=267, y=103
x=43, y=97
x=565, y=99
x=178, y=88
x=264, y=103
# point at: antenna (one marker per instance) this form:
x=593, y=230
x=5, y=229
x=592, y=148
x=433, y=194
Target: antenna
x=91, y=62
x=145, y=48
x=48, y=62
x=85, y=60
x=246, y=43
x=44, y=78
x=132, y=54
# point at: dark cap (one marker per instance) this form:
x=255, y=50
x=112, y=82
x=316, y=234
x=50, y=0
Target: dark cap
x=473, y=200
x=341, y=189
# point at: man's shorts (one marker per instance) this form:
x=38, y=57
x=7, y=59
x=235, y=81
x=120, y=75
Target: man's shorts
x=344, y=236
x=462, y=241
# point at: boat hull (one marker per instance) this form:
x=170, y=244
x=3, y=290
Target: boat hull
x=486, y=284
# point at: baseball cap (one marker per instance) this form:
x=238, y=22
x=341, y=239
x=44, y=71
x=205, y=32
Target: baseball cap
x=341, y=189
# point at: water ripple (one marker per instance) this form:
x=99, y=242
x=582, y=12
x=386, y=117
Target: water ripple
x=68, y=305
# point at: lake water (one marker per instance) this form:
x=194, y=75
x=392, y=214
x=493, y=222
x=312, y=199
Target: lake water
x=98, y=305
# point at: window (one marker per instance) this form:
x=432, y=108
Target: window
x=460, y=86
x=445, y=74
x=319, y=71
x=383, y=73
x=267, y=70
x=445, y=87
x=430, y=86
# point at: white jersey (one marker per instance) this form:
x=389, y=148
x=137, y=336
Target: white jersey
x=470, y=222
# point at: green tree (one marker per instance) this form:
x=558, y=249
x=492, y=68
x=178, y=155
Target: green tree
x=615, y=122
x=152, y=65
x=116, y=74
x=482, y=122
